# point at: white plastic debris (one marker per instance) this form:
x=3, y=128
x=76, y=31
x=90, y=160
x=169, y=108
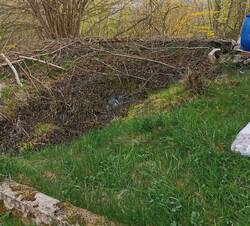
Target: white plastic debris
x=236, y=45
x=242, y=142
x=214, y=55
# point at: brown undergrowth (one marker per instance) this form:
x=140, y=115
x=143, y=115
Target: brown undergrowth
x=101, y=80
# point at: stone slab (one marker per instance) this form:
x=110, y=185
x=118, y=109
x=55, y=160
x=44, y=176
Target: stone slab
x=242, y=142
x=37, y=208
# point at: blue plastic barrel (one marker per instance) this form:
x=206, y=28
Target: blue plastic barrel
x=245, y=34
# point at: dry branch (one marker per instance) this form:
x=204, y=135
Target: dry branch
x=13, y=62
x=42, y=61
x=135, y=57
x=13, y=69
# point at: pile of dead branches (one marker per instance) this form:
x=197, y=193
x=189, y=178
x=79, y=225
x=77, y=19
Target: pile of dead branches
x=121, y=57
x=83, y=84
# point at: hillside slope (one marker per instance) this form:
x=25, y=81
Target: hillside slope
x=168, y=163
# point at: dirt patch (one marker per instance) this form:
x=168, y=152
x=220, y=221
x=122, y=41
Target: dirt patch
x=103, y=79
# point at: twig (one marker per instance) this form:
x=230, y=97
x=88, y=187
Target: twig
x=36, y=79
x=5, y=117
x=55, y=51
x=122, y=74
x=13, y=69
x=13, y=62
x=172, y=47
x=135, y=57
x=42, y=61
x=27, y=74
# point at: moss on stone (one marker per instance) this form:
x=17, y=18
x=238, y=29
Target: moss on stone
x=78, y=216
x=26, y=193
x=73, y=213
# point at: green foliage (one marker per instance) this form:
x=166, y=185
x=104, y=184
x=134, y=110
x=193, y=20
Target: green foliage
x=196, y=219
x=10, y=96
x=122, y=18
x=44, y=128
x=41, y=129
x=27, y=146
x=7, y=220
x=7, y=92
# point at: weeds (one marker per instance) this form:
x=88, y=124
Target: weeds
x=194, y=83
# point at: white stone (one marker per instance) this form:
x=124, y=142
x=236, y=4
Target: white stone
x=242, y=142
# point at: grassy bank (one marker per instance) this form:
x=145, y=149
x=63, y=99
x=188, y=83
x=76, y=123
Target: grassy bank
x=164, y=165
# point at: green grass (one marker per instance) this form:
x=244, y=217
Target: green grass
x=7, y=220
x=171, y=166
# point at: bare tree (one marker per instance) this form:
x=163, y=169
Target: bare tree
x=226, y=16
x=58, y=18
